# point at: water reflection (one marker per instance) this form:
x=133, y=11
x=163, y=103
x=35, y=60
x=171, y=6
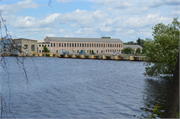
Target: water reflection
x=155, y=92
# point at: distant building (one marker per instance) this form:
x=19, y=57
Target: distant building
x=41, y=44
x=5, y=46
x=134, y=47
x=27, y=46
x=98, y=45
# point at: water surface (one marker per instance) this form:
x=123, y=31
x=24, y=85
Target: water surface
x=79, y=88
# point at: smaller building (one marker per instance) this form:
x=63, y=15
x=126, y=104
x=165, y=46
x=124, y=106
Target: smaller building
x=134, y=47
x=27, y=46
x=41, y=44
x=5, y=46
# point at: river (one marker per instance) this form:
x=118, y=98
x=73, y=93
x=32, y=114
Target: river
x=79, y=88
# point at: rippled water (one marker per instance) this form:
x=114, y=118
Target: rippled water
x=79, y=88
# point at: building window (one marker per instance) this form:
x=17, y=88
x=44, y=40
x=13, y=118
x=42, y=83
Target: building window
x=64, y=44
x=119, y=45
x=77, y=51
x=101, y=45
x=97, y=51
x=90, y=44
x=56, y=51
x=104, y=45
x=25, y=46
x=119, y=50
x=51, y=44
x=72, y=44
x=42, y=50
x=42, y=45
x=39, y=45
x=32, y=47
x=108, y=45
x=39, y=50
x=106, y=50
x=67, y=44
x=75, y=44
x=97, y=45
x=82, y=44
x=54, y=44
x=48, y=45
x=87, y=44
x=59, y=44
x=115, y=45
x=94, y=45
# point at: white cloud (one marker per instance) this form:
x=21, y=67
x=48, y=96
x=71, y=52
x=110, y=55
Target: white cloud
x=64, y=1
x=17, y=7
x=79, y=31
x=51, y=35
x=25, y=22
x=61, y=30
x=123, y=5
x=158, y=3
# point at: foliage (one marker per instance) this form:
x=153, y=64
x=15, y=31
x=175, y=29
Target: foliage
x=106, y=37
x=92, y=52
x=140, y=42
x=127, y=50
x=162, y=52
x=131, y=43
x=46, y=49
x=47, y=55
x=158, y=112
x=138, y=50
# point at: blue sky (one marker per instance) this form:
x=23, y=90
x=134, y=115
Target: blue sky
x=127, y=20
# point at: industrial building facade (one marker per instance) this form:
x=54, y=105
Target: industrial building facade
x=98, y=45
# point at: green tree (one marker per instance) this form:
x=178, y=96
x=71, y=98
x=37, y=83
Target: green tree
x=127, y=50
x=162, y=52
x=140, y=42
x=130, y=43
x=138, y=50
x=45, y=49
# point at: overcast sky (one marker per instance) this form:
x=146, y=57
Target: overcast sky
x=127, y=20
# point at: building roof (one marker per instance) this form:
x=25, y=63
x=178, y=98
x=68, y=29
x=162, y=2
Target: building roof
x=23, y=39
x=132, y=46
x=83, y=39
x=40, y=40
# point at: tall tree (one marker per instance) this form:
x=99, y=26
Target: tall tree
x=138, y=50
x=140, y=42
x=46, y=49
x=173, y=99
x=162, y=52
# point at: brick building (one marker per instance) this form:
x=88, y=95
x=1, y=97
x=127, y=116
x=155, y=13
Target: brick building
x=98, y=45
